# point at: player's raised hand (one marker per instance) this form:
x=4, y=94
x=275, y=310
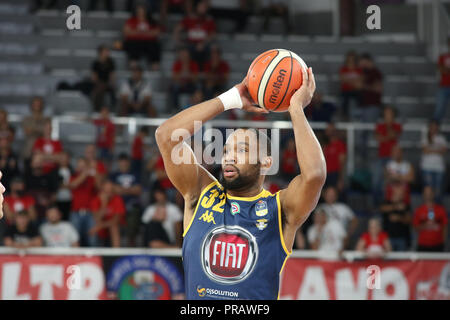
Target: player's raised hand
x=302, y=97
x=247, y=101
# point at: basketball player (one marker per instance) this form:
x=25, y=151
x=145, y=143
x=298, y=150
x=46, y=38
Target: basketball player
x=238, y=236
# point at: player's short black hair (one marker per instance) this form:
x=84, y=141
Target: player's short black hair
x=263, y=140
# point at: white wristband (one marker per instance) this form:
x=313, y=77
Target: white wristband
x=231, y=99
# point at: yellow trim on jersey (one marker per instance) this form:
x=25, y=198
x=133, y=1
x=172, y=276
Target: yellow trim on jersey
x=263, y=194
x=212, y=184
x=281, y=226
x=282, y=267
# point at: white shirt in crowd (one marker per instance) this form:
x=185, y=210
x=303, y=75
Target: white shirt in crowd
x=339, y=212
x=138, y=92
x=331, y=238
x=434, y=161
x=174, y=215
x=400, y=168
x=61, y=234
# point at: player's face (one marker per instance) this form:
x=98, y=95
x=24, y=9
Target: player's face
x=240, y=164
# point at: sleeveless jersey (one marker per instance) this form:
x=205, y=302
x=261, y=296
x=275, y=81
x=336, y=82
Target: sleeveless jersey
x=233, y=247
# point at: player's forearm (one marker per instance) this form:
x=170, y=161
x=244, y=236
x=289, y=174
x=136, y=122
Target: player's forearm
x=309, y=152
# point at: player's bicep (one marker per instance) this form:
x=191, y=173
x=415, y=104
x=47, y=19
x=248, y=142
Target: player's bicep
x=300, y=198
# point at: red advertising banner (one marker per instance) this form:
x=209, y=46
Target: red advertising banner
x=51, y=277
x=309, y=279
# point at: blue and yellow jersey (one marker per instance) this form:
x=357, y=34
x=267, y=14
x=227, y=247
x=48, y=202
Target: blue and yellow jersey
x=233, y=247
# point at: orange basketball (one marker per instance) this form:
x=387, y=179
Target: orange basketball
x=273, y=78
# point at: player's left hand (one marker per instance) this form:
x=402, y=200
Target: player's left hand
x=247, y=101
x=302, y=97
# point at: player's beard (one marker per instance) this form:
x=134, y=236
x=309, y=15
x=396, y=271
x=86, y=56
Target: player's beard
x=242, y=182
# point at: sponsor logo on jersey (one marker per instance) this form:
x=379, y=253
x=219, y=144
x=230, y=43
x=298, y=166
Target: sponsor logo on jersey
x=261, y=224
x=208, y=217
x=235, y=208
x=210, y=292
x=261, y=208
x=229, y=254
x=201, y=291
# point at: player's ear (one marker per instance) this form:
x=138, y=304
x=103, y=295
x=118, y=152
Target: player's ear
x=266, y=163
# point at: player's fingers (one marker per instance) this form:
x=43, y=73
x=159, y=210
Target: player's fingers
x=256, y=109
x=305, y=80
x=312, y=80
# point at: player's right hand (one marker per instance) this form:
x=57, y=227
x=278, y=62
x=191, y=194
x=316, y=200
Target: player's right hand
x=247, y=101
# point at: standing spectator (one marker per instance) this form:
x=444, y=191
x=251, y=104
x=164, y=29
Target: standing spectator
x=57, y=233
x=18, y=200
x=430, y=221
x=163, y=222
x=103, y=78
x=289, y=163
x=387, y=134
x=320, y=110
x=397, y=220
x=443, y=95
x=351, y=82
x=49, y=149
x=141, y=34
x=64, y=195
x=109, y=212
x=127, y=185
x=138, y=150
x=184, y=76
x=106, y=135
x=399, y=174
x=82, y=185
x=276, y=8
x=136, y=95
x=200, y=31
x=216, y=73
x=9, y=162
x=96, y=167
x=22, y=234
x=335, y=152
x=339, y=211
x=33, y=126
x=434, y=147
x=326, y=235
x=375, y=242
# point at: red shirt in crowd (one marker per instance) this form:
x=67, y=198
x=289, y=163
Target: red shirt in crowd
x=385, y=147
x=332, y=152
x=137, y=149
x=374, y=244
x=221, y=69
x=49, y=147
x=444, y=61
x=83, y=194
x=115, y=207
x=349, y=74
x=17, y=204
x=165, y=182
x=105, y=133
x=431, y=235
x=289, y=162
x=185, y=70
x=389, y=191
x=142, y=26
x=198, y=29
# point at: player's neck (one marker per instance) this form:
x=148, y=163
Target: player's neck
x=251, y=192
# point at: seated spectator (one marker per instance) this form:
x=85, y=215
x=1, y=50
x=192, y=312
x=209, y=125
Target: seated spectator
x=127, y=185
x=443, y=95
x=22, y=234
x=103, y=78
x=138, y=150
x=184, y=77
x=9, y=162
x=397, y=220
x=200, y=31
x=272, y=8
x=163, y=222
x=387, y=134
x=109, y=210
x=83, y=187
x=325, y=234
x=430, y=222
x=156, y=167
x=41, y=186
x=375, y=242
x=289, y=163
x=57, y=233
x=141, y=40
x=335, y=152
x=18, y=200
x=64, y=195
x=33, y=127
x=49, y=149
x=351, y=81
x=320, y=110
x=96, y=167
x=338, y=211
x=106, y=135
x=136, y=95
x=432, y=165
x=216, y=73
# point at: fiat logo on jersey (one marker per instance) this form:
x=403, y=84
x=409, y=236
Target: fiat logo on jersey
x=229, y=254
